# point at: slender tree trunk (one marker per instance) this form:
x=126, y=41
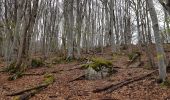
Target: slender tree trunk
x=113, y=44
x=159, y=46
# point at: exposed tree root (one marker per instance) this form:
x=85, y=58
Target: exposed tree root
x=112, y=87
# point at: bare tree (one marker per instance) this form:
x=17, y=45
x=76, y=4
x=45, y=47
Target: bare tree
x=159, y=46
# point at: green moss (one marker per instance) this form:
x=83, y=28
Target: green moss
x=49, y=78
x=37, y=63
x=102, y=62
x=130, y=56
x=15, y=72
x=165, y=84
x=98, y=63
x=16, y=98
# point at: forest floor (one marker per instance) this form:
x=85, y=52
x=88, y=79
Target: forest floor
x=65, y=89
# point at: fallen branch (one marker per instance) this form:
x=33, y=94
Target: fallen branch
x=33, y=74
x=29, y=89
x=28, y=95
x=112, y=87
x=80, y=77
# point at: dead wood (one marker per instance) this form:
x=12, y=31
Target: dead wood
x=112, y=87
x=27, y=90
x=28, y=95
x=33, y=74
x=80, y=77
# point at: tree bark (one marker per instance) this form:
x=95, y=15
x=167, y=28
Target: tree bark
x=159, y=46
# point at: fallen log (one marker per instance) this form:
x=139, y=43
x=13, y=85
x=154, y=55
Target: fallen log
x=29, y=92
x=26, y=90
x=112, y=87
x=28, y=95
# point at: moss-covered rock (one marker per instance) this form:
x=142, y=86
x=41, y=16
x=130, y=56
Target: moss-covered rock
x=98, y=63
x=98, y=68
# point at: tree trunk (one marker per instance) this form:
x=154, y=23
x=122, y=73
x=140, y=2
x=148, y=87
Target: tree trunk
x=159, y=46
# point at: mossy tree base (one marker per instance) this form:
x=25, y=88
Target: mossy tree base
x=17, y=70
